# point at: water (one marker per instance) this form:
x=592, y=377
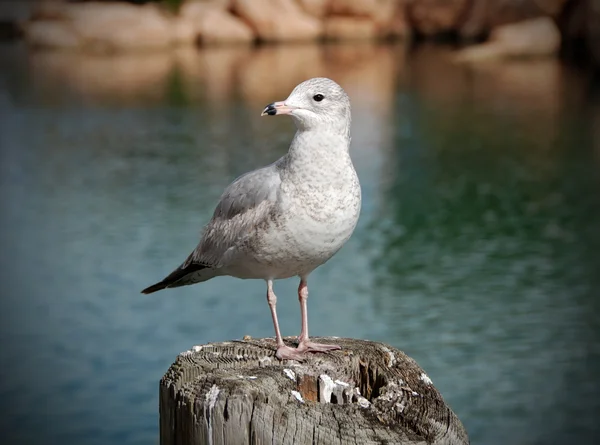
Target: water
x=476, y=252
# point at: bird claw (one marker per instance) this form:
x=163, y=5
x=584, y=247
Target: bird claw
x=298, y=354
x=287, y=353
x=309, y=346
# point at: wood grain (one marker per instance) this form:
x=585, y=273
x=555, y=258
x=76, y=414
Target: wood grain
x=239, y=393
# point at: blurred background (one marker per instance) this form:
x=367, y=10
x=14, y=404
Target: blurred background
x=476, y=136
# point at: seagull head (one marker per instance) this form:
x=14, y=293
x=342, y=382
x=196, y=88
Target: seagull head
x=315, y=104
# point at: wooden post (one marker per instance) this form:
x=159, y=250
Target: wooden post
x=237, y=392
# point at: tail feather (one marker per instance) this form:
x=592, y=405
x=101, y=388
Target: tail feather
x=174, y=277
x=155, y=287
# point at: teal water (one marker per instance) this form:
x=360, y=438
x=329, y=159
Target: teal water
x=477, y=251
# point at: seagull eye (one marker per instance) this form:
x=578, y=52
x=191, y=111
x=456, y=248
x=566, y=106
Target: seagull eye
x=318, y=97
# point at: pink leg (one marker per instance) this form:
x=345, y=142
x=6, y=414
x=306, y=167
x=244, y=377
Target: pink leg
x=283, y=352
x=305, y=344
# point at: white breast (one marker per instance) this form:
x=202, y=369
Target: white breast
x=314, y=224
x=317, y=209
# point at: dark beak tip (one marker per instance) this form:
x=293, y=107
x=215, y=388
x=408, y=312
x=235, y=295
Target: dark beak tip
x=270, y=110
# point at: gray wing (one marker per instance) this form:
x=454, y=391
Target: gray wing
x=246, y=203
x=248, y=191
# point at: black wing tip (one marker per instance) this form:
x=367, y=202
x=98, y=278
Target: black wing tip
x=174, y=277
x=154, y=288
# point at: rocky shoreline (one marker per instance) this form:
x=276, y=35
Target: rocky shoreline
x=488, y=29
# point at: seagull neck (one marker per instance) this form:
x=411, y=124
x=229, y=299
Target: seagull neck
x=319, y=144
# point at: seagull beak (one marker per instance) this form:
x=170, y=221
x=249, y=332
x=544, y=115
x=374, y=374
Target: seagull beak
x=277, y=108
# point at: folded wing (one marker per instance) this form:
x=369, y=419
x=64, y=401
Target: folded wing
x=246, y=203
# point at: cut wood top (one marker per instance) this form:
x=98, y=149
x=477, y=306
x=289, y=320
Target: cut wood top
x=239, y=392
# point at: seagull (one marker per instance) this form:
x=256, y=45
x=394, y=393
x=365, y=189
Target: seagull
x=288, y=218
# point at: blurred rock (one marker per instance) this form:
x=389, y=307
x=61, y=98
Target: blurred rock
x=474, y=19
x=431, y=17
x=368, y=19
x=184, y=31
x=476, y=23
x=531, y=38
x=355, y=8
x=48, y=9
x=536, y=37
x=221, y=27
x=278, y=20
x=316, y=8
x=51, y=34
x=551, y=8
x=119, y=26
x=211, y=23
x=349, y=28
x=104, y=27
x=222, y=4
x=483, y=15
x=390, y=18
x=114, y=26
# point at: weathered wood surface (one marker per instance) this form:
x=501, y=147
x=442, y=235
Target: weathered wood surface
x=238, y=393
